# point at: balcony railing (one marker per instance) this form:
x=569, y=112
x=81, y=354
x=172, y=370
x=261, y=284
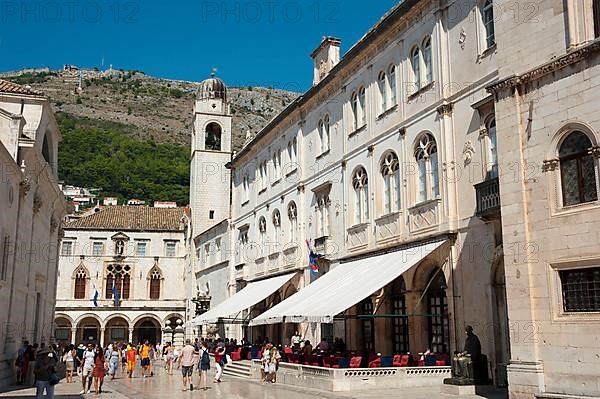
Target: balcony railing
x=488, y=199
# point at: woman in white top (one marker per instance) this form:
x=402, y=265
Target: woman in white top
x=69, y=360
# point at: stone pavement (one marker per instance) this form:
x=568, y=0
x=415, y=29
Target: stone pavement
x=169, y=386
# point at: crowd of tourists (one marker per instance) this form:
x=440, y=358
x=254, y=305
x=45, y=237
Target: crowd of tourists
x=91, y=363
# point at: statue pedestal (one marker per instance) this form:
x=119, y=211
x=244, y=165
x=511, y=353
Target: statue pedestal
x=458, y=390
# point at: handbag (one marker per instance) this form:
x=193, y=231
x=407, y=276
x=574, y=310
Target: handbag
x=53, y=380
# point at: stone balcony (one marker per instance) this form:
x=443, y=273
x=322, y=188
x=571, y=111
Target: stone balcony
x=488, y=199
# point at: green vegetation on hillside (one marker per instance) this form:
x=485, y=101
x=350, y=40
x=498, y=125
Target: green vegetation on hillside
x=31, y=78
x=102, y=155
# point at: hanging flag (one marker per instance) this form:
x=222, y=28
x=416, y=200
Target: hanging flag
x=115, y=294
x=95, y=298
x=312, y=259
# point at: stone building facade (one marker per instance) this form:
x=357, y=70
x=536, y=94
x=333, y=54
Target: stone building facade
x=548, y=135
x=472, y=123
x=383, y=152
x=31, y=208
x=142, y=252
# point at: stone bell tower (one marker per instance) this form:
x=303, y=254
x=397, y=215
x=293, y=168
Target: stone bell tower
x=211, y=151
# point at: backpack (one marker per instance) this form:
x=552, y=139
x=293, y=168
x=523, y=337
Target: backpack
x=205, y=359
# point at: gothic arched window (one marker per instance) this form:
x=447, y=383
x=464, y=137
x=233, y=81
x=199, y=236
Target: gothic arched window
x=360, y=182
x=293, y=219
x=390, y=170
x=577, y=169
x=427, y=60
x=415, y=60
x=119, y=277
x=427, y=168
x=276, y=226
x=155, y=277
x=81, y=278
x=383, y=94
x=392, y=81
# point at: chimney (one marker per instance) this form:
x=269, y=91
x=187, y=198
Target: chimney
x=326, y=56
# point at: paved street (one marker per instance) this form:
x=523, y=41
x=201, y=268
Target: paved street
x=169, y=386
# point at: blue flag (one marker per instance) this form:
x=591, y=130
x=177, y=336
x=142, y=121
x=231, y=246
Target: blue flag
x=115, y=294
x=95, y=299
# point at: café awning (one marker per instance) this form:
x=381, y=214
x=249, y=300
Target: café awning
x=249, y=296
x=345, y=286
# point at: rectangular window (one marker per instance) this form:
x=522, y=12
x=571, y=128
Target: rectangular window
x=4, y=260
x=596, y=8
x=206, y=253
x=97, y=248
x=211, y=214
x=581, y=289
x=141, y=249
x=170, y=248
x=435, y=180
x=67, y=248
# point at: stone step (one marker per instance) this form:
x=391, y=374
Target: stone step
x=238, y=369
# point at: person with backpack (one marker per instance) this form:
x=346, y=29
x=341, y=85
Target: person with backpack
x=45, y=374
x=204, y=365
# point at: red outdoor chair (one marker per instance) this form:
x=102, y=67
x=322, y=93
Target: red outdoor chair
x=237, y=354
x=331, y=362
x=287, y=350
x=375, y=363
x=311, y=360
x=442, y=360
x=355, y=362
x=401, y=361
x=293, y=358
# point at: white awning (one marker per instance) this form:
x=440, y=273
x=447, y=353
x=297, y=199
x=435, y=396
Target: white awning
x=344, y=286
x=249, y=296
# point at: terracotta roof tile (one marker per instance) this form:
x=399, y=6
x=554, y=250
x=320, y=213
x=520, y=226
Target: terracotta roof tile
x=13, y=88
x=132, y=218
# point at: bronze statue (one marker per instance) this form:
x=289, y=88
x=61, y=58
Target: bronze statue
x=462, y=363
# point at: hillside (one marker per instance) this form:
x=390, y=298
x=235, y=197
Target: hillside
x=129, y=134
x=152, y=109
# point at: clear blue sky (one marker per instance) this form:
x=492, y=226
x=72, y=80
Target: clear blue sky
x=263, y=42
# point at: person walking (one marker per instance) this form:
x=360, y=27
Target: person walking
x=123, y=358
x=145, y=358
x=87, y=367
x=114, y=355
x=99, y=367
x=69, y=361
x=131, y=358
x=186, y=361
x=219, y=363
x=170, y=350
x=204, y=364
x=45, y=374
x=274, y=359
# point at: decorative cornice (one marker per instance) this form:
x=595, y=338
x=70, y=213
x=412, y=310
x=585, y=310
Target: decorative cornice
x=550, y=165
x=549, y=67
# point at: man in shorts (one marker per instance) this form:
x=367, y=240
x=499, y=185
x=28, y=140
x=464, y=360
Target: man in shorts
x=87, y=362
x=186, y=361
x=145, y=358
